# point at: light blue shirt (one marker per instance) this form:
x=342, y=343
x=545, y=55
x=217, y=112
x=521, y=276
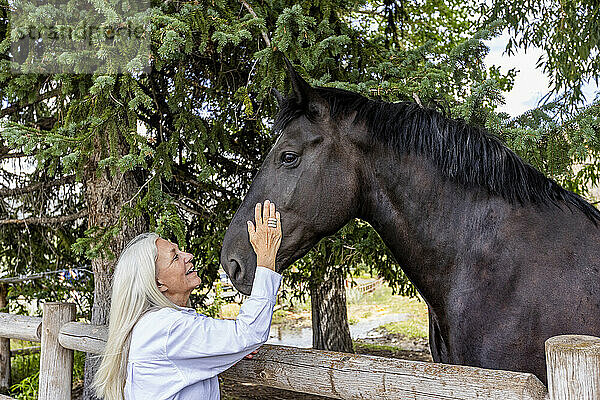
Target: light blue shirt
x=177, y=354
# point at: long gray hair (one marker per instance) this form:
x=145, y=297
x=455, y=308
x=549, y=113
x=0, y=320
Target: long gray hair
x=134, y=293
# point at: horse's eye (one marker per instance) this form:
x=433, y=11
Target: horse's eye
x=288, y=158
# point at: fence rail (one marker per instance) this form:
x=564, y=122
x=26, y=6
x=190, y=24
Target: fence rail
x=366, y=287
x=369, y=287
x=21, y=327
x=573, y=367
x=25, y=351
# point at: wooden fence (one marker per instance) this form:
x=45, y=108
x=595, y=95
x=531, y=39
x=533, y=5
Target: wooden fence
x=370, y=286
x=365, y=287
x=573, y=367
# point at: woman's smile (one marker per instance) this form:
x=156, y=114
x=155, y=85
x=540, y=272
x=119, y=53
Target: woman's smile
x=175, y=272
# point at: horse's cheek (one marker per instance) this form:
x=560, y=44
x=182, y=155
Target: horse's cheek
x=291, y=191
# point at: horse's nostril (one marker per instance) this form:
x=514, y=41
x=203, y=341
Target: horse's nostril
x=237, y=274
x=236, y=270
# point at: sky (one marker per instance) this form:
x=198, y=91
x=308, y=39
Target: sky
x=530, y=83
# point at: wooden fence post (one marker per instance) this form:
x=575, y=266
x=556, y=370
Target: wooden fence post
x=56, y=362
x=4, y=346
x=573, y=366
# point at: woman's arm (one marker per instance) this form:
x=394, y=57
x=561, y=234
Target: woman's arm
x=203, y=347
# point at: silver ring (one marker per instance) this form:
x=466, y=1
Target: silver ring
x=272, y=222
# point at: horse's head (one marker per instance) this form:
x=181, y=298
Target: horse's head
x=312, y=175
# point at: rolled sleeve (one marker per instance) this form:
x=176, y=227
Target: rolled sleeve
x=266, y=283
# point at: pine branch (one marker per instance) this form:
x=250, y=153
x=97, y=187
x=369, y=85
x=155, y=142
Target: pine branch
x=182, y=174
x=37, y=186
x=370, y=13
x=184, y=207
x=15, y=107
x=45, y=221
x=251, y=11
x=15, y=155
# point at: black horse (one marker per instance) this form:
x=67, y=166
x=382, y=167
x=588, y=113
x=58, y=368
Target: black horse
x=504, y=257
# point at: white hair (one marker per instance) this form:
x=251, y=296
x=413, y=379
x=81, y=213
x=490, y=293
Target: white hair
x=134, y=293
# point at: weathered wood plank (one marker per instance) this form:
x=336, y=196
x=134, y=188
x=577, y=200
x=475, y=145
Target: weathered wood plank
x=3, y=397
x=349, y=376
x=56, y=362
x=20, y=327
x=4, y=365
x=573, y=365
x=4, y=347
x=84, y=337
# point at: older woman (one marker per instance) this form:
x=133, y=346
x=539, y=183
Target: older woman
x=157, y=348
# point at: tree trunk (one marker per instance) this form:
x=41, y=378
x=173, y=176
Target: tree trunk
x=106, y=194
x=329, y=313
x=4, y=346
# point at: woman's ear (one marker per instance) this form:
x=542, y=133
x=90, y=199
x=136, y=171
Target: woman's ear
x=161, y=287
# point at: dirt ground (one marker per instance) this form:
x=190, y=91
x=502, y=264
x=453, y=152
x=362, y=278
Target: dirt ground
x=417, y=350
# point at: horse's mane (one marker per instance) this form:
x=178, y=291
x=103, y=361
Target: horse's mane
x=463, y=153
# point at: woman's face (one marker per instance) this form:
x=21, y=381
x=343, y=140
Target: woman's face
x=176, y=276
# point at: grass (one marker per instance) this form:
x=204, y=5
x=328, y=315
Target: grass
x=23, y=366
x=411, y=329
x=229, y=310
x=19, y=344
x=24, y=370
x=383, y=299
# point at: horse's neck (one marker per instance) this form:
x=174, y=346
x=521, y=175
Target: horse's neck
x=427, y=221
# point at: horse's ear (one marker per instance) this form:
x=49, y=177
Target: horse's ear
x=302, y=90
x=305, y=96
x=278, y=96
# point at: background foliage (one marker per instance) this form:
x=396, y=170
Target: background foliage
x=198, y=124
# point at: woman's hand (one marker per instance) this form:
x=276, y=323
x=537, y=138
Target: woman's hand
x=265, y=240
